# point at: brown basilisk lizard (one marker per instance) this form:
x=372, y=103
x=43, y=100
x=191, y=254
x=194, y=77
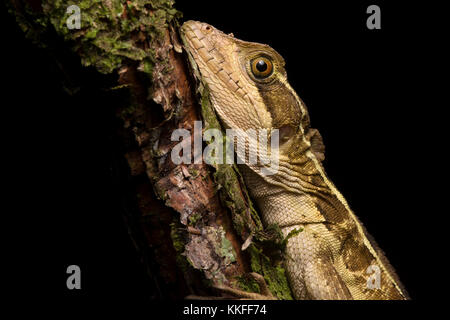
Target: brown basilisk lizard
x=333, y=257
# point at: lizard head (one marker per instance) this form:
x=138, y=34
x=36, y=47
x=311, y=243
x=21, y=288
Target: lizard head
x=247, y=81
x=248, y=86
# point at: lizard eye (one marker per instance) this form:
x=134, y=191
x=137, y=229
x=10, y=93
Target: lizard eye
x=261, y=67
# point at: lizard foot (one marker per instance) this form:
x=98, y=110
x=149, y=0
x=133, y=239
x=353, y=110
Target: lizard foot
x=245, y=295
x=240, y=294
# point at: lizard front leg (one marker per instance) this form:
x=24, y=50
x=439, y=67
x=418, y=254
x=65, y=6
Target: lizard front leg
x=310, y=268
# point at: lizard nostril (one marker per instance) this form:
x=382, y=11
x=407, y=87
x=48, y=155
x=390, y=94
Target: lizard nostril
x=207, y=29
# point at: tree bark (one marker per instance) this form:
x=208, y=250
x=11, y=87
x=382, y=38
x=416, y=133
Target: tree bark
x=193, y=225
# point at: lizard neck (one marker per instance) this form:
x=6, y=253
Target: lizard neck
x=296, y=194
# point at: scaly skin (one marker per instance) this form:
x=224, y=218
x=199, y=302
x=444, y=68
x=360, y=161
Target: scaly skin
x=333, y=257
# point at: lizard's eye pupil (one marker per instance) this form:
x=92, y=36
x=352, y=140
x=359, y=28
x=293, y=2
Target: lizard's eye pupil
x=261, y=67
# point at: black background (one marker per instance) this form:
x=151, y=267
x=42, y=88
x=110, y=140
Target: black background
x=362, y=90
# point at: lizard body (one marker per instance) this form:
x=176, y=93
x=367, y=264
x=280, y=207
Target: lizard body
x=333, y=257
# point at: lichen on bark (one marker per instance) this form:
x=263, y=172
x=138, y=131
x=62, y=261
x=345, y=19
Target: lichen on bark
x=113, y=30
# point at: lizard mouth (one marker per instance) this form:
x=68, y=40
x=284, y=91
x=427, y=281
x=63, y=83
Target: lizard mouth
x=215, y=56
x=196, y=36
x=206, y=44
